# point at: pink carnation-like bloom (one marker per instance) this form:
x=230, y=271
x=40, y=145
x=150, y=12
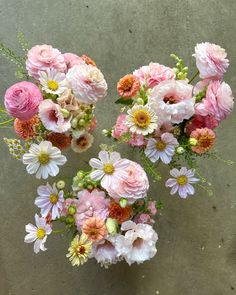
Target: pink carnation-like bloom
x=153, y=74
x=42, y=57
x=52, y=118
x=211, y=60
x=134, y=187
x=22, y=100
x=72, y=59
x=172, y=101
x=200, y=122
x=91, y=204
x=121, y=128
x=88, y=83
x=218, y=102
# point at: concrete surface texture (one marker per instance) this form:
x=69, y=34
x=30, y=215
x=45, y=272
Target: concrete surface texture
x=197, y=237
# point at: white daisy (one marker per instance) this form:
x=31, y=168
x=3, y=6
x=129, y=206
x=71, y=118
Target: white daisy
x=53, y=81
x=108, y=168
x=141, y=120
x=49, y=199
x=38, y=233
x=162, y=148
x=43, y=159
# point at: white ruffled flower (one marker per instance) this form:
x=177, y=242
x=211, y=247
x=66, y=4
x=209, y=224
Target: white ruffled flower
x=43, y=159
x=82, y=141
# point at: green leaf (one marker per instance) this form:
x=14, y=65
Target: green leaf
x=124, y=101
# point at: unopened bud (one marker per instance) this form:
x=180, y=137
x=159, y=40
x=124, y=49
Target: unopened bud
x=180, y=150
x=123, y=202
x=140, y=101
x=111, y=225
x=71, y=210
x=65, y=113
x=193, y=141
x=61, y=184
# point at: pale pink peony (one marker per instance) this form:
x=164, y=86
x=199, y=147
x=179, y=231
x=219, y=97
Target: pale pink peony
x=210, y=60
x=91, y=204
x=200, y=122
x=22, y=100
x=72, y=59
x=218, y=102
x=42, y=57
x=52, y=118
x=134, y=187
x=153, y=74
x=172, y=101
x=88, y=83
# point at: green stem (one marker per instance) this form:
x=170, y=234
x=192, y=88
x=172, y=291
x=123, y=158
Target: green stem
x=195, y=75
x=59, y=231
x=6, y=122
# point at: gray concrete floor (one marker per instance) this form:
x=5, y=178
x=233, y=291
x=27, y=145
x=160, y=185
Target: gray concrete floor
x=197, y=246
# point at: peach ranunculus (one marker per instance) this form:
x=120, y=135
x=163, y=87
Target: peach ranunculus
x=42, y=57
x=205, y=140
x=211, y=60
x=128, y=86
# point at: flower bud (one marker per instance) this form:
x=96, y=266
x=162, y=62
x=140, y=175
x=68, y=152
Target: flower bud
x=123, y=202
x=71, y=210
x=180, y=150
x=193, y=141
x=70, y=220
x=140, y=101
x=105, y=132
x=111, y=225
x=65, y=113
x=74, y=122
x=82, y=122
x=61, y=184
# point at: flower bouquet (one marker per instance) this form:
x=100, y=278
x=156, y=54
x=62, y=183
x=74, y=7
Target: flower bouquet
x=170, y=119
x=53, y=108
x=106, y=214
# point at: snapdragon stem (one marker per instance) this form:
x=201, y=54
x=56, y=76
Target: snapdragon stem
x=195, y=75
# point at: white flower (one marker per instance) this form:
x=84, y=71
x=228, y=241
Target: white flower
x=53, y=81
x=38, y=233
x=138, y=244
x=43, y=159
x=49, y=199
x=181, y=182
x=109, y=168
x=141, y=120
x=82, y=142
x=87, y=82
x=162, y=148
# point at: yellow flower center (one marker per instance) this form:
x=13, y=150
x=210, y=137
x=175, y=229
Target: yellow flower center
x=43, y=158
x=108, y=168
x=53, y=199
x=142, y=118
x=53, y=85
x=80, y=250
x=182, y=180
x=160, y=145
x=41, y=233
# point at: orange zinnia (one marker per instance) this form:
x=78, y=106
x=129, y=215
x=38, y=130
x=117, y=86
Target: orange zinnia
x=25, y=129
x=128, y=86
x=205, y=140
x=94, y=228
x=59, y=140
x=119, y=213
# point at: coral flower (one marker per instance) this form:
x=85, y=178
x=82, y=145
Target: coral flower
x=88, y=60
x=59, y=140
x=95, y=229
x=128, y=86
x=25, y=129
x=205, y=140
x=119, y=213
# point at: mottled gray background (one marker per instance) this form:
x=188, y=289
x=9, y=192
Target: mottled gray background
x=197, y=241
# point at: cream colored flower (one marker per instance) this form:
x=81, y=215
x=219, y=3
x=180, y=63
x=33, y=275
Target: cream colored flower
x=82, y=142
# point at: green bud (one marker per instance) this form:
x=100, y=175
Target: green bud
x=70, y=220
x=61, y=184
x=80, y=185
x=74, y=122
x=112, y=226
x=105, y=132
x=89, y=187
x=185, y=69
x=140, y=101
x=82, y=122
x=71, y=210
x=175, y=70
x=123, y=202
x=65, y=113
x=193, y=141
x=80, y=174
x=180, y=150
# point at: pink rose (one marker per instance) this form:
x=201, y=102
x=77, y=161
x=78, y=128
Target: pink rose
x=211, y=60
x=218, y=102
x=22, y=100
x=134, y=187
x=72, y=59
x=153, y=74
x=42, y=57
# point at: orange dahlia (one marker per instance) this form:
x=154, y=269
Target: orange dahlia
x=88, y=60
x=205, y=140
x=119, y=213
x=94, y=228
x=59, y=140
x=25, y=129
x=128, y=86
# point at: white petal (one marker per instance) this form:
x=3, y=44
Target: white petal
x=114, y=157
x=30, y=228
x=97, y=174
x=95, y=163
x=37, y=245
x=32, y=168
x=30, y=238
x=104, y=157
x=174, y=189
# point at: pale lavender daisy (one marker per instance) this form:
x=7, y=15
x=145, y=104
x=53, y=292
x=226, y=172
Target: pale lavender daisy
x=108, y=168
x=38, y=234
x=182, y=182
x=49, y=200
x=162, y=148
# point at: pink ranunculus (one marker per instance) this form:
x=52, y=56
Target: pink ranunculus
x=42, y=57
x=134, y=187
x=22, y=100
x=153, y=74
x=218, y=102
x=211, y=60
x=201, y=122
x=72, y=59
x=52, y=118
x=91, y=204
x=88, y=83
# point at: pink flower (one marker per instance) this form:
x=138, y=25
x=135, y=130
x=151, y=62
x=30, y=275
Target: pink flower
x=22, y=100
x=153, y=74
x=172, y=101
x=218, y=102
x=72, y=59
x=200, y=122
x=88, y=83
x=92, y=125
x=42, y=57
x=152, y=207
x=52, y=118
x=69, y=206
x=211, y=60
x=143, y=218
x=134, y=187
x=91, y=204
